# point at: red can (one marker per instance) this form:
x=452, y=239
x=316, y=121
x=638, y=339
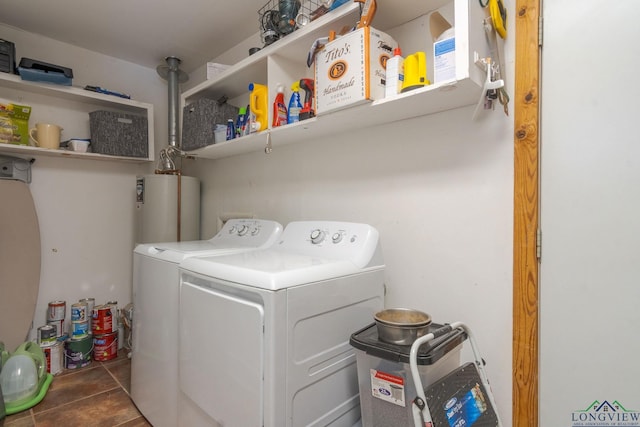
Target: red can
x=105, y=347
x=102, y=320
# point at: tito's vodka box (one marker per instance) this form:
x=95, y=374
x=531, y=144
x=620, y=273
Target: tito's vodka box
x=350, y=70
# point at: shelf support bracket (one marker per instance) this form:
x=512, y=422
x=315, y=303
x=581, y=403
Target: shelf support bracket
x=269, y=148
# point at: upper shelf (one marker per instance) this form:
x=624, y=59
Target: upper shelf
x=71, y=93
x=409, y=25
x=294, y=47
x=428, y=100
x=73, y=105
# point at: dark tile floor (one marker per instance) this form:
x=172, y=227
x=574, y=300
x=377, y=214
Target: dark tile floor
x=96, y=395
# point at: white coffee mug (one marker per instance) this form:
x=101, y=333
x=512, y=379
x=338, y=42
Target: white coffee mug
x=46, y=135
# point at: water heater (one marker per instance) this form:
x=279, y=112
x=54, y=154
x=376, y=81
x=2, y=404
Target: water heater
x=168, y=211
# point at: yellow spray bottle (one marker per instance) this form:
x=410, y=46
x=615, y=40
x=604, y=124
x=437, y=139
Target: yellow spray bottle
x=259, y=106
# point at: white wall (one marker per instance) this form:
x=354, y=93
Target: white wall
x=590, y=264
x=86, y=207
x=438, y=188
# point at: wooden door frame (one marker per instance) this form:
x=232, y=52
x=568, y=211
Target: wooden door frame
x=526, y=216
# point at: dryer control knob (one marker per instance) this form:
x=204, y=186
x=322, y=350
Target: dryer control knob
x=317, y=236
x=255, y=231
x=242, y=230
x=337, y=237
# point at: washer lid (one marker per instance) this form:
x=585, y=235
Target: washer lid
x=272, y=269
x=177, y=251
x=235, y=236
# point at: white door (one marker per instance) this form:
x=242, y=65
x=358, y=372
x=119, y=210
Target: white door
x=222, y=356
x=590, y=214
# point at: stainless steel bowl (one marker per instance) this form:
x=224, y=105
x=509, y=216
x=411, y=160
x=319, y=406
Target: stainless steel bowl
x=401, y=326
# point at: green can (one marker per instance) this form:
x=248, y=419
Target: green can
x=77, y=353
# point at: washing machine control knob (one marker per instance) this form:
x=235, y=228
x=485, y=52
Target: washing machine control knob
x=255, y=231
x=233, y=229
x=242, y=230
x=317, y=236
x=337, y=237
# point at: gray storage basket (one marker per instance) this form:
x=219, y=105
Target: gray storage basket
x=200, y=119
x=119, y=134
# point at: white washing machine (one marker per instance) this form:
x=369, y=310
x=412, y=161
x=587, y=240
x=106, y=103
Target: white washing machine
x=156, y=283
x=264, y=336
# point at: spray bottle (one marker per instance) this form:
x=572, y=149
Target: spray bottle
x=258, y=101
x=293, y=115
x=279, y=108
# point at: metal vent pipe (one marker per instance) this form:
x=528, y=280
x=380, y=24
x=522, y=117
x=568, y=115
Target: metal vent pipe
x=173, y=75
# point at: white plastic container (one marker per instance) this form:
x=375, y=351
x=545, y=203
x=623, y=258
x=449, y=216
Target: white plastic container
x=220, y=133
x=394, y=75
x=444, y=48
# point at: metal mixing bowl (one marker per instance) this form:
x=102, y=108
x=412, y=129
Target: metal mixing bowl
x=401, y=326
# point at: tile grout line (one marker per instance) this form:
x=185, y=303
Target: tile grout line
x=72, y=402
x=115, y=379
x=128, y=421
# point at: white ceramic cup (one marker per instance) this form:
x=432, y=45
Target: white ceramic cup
x=46, y=135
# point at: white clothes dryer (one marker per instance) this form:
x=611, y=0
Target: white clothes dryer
x=156, y=281
x=264, y=336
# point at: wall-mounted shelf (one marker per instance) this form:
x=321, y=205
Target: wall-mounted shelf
x=69, y=107
x=284, y=61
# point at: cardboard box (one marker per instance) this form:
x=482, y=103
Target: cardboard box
x=214, y=69
x=14, y=124
x=351, y=69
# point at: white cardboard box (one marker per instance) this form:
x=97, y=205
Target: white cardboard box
x=213, y=69
x=351, y=69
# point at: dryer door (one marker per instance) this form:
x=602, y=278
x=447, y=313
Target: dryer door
x=221, y=356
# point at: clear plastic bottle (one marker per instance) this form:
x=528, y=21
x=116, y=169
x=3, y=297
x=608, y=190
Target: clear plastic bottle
x=288, y=10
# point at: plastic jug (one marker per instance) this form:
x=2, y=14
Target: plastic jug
x=259, y=103
x=23, y=373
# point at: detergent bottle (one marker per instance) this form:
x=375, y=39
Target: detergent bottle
x=259, y=107
x=295, y=105
x=279, y=108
